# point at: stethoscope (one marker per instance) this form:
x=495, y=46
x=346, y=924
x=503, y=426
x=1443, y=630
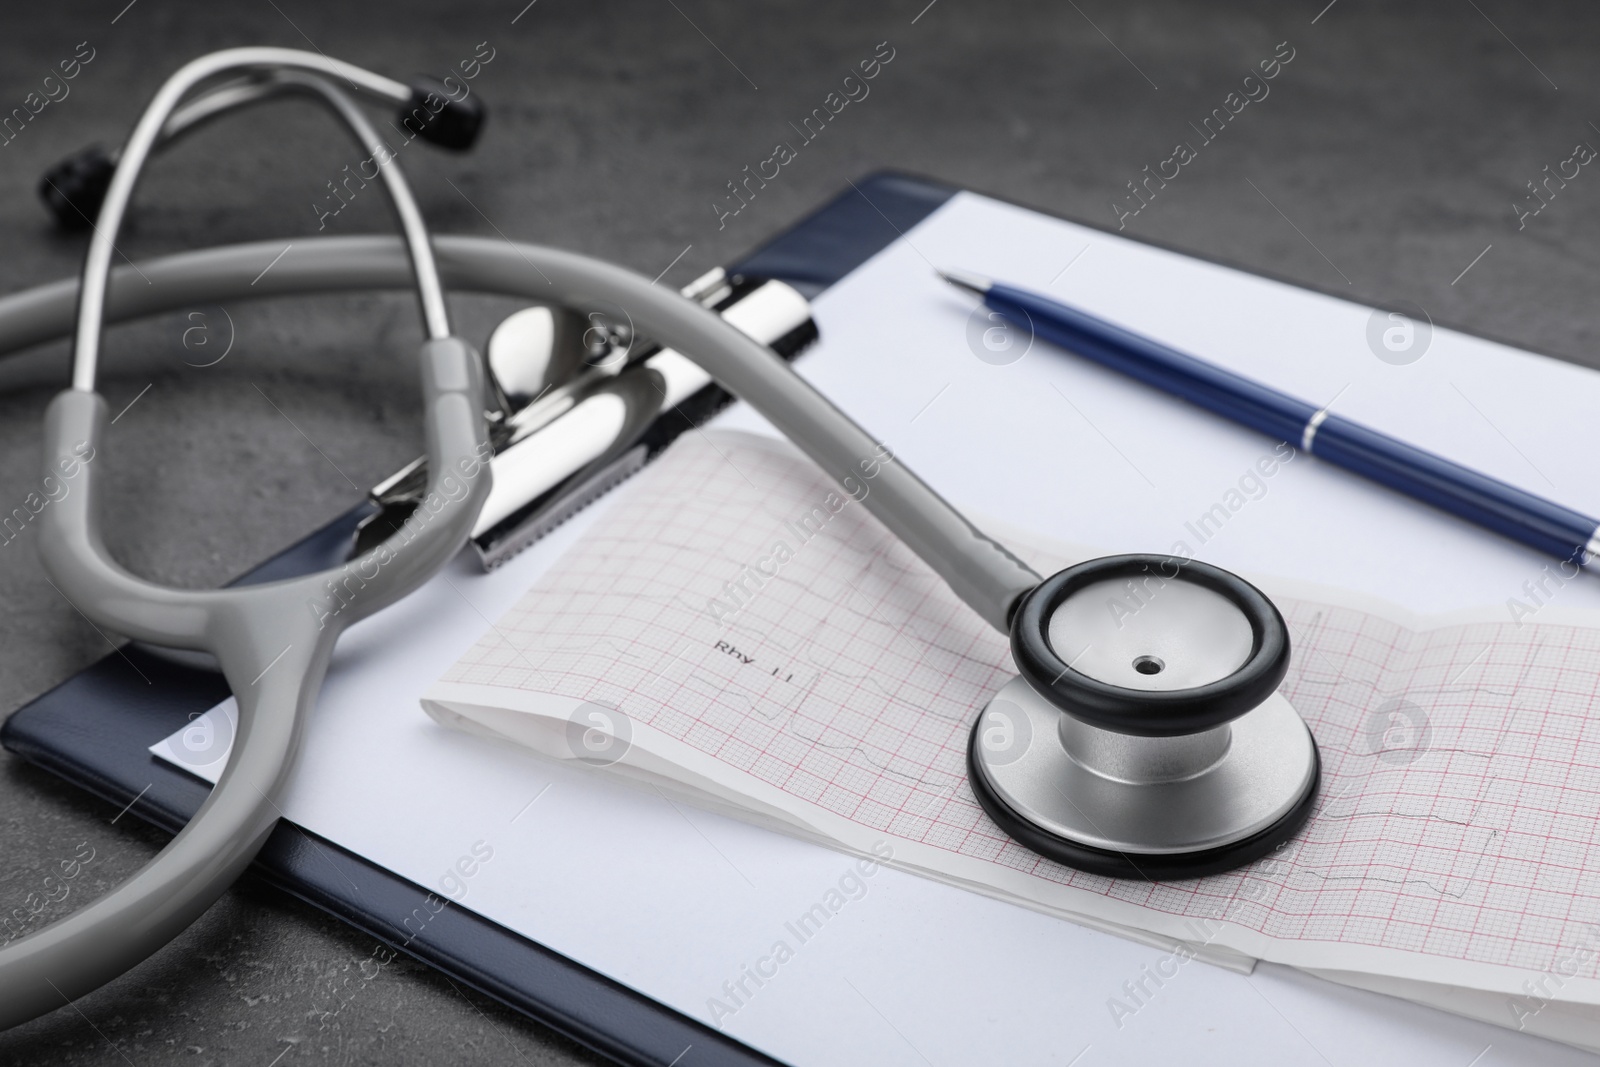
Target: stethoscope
x=1146, y=745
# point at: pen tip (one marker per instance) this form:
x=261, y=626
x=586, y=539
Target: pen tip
x=971, y=282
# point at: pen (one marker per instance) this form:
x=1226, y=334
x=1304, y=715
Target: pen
x=1505, y=509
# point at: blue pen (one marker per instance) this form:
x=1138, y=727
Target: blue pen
x=1505, y=509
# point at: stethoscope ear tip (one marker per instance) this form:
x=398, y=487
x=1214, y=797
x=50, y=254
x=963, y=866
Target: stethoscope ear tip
x=449, y=119
x=1145, y=737
x=74, y=188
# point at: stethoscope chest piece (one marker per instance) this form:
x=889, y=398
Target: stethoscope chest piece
x=1145, y=737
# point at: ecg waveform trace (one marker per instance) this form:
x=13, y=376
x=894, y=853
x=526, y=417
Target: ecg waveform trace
x=735, y=600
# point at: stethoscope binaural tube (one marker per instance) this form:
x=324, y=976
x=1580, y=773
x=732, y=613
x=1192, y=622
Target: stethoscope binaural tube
x=273, y=641
x=147, y=133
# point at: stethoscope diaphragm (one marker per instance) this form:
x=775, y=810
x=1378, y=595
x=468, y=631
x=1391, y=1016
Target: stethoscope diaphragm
x=1144, y=736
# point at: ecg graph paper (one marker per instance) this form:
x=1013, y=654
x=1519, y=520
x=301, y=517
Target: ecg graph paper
x=1461, y=766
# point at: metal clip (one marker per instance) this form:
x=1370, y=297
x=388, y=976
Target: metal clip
x=605, y=403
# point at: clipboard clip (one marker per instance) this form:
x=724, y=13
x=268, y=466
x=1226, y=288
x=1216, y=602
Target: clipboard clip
x=582, y=403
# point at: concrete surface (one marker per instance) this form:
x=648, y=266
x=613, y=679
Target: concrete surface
x=1386, y=158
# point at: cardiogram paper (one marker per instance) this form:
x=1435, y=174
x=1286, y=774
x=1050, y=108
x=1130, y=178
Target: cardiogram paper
x=772, y=649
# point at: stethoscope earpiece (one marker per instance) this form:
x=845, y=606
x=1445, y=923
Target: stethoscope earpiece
x=1145, y=737
x=74, y=189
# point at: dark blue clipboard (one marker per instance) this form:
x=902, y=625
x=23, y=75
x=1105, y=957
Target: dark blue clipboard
x=94, y=730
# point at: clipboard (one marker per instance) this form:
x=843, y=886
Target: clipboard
x=94, y=730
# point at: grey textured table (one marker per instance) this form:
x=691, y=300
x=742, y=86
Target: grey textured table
x=1385, y=161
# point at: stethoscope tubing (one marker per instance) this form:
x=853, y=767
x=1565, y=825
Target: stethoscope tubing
x=980, y=571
